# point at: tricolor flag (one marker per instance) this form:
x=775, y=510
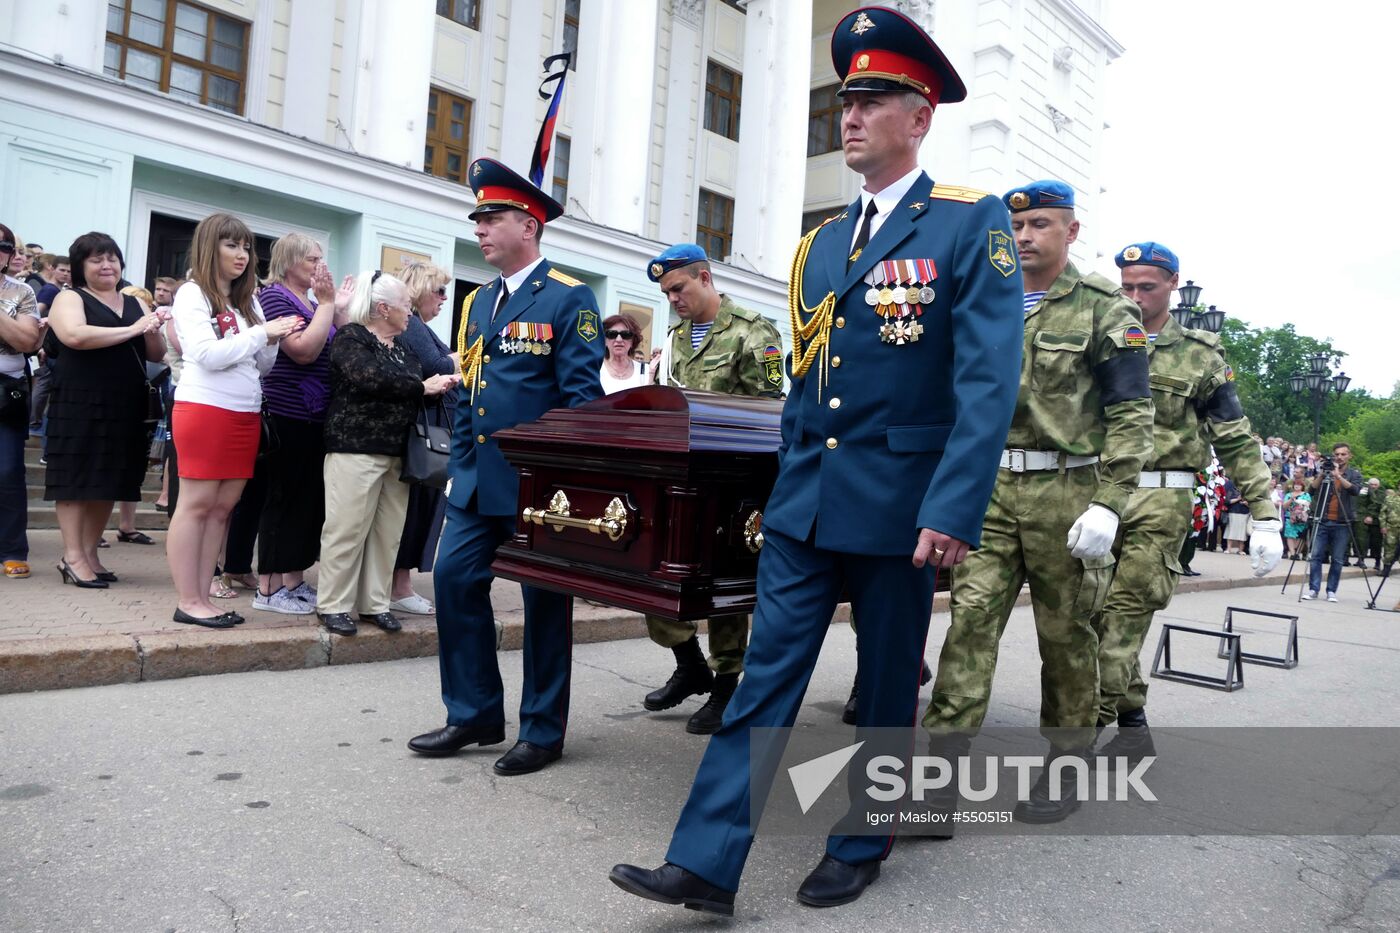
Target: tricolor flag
x=546, y=138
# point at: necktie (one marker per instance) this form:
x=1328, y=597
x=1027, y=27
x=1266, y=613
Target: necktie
x=863, y=235
x=505, y=296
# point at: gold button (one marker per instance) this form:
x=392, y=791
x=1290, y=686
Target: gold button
x=486, y=359
x=481, y=438
x=835, y=403
x=840, y=322
x=836, y=362
x=481, y=411
x=831, y=443
x=481, y=384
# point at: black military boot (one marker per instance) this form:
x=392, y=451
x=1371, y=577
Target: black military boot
x=944, y=801
x=848, y=715
x=1133, y=741
x=1040, y=807
x=707, y=718
x=691, y=677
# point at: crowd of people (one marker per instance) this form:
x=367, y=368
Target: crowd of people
x=278, y=407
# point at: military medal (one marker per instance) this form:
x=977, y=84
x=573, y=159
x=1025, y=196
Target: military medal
x=926, y=295
x=897, y=295
x=886, y=295
x=872, y=296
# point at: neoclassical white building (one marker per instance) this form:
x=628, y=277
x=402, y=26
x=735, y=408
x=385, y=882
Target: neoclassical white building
x=354, y=120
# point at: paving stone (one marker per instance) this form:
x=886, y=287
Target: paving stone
x=194, y=651
x=70, y=661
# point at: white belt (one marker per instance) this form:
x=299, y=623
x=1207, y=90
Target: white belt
x=1166, y=479
x=1024, y=461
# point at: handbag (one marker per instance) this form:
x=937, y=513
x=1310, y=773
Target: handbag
x=14, y=399
x=427, y=450
x=268, y=440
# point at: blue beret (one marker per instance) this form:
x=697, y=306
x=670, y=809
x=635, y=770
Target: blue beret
x=1047, y=193
x=497, y=188
x=682, y=254
x=879, y=50
x=1148, y=254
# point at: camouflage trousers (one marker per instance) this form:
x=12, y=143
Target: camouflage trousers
x=1023, y=539
x=729, y=638
x=1149, y=544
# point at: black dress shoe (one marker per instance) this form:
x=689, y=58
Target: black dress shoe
x=338, y=623
x=848, y=715
x=450, y=739
x=672, y=884
x=210, y=622
x=525, y=758
x=234, y=617
x=385, y=620
x=834, y=882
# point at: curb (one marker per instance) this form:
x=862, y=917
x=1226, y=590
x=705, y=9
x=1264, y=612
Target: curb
x=98, y=660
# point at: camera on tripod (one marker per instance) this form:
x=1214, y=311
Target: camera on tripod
x=1326, y=465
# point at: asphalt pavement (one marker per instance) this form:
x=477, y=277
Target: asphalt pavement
x=287, y=801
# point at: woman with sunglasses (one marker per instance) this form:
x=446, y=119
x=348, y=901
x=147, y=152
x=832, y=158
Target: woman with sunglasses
x=621, y=335
x=427, y=290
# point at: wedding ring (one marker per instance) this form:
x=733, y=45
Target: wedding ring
x=939, y=552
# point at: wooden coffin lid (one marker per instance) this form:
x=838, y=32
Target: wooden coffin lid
x=660, y=418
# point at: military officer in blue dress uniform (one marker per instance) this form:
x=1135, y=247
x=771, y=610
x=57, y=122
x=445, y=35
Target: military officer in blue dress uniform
x=529, y=341
x=906, y=324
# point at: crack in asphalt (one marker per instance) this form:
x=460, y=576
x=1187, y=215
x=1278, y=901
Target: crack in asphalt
x=607, y=670
x=575, y=805
x=232, y=911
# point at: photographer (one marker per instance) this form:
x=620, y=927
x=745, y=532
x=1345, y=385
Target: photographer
x=1335, y=511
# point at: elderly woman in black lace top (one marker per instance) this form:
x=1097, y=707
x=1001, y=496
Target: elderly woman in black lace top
x=377, y=386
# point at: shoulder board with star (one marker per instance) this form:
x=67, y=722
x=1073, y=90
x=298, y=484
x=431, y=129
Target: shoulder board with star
x=957, y=193
x=558, y=276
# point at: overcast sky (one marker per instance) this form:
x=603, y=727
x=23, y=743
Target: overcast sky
x=1259, y=142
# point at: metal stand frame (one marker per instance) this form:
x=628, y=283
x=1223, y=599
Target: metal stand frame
x=1234, y=669
x=1289, y=659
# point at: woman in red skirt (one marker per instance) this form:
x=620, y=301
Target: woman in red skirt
x=216, y=421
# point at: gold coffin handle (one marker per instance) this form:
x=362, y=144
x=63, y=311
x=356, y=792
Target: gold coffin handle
x=753, y=534
x=556, y=515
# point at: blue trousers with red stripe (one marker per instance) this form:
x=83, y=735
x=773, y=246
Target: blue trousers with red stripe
x=798, y=587
x=471, y=677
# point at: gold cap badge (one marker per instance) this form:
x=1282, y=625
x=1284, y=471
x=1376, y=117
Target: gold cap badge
x=862, y=62
x=1132, y=254
x=656, y=269
x=1020, y=200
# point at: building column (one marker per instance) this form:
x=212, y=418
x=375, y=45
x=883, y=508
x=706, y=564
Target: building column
x=772, y=135
x=308, y=79
x=391, y=81
x=617, y=68
x=521, y=111
x=72, y=33
x=677, y=221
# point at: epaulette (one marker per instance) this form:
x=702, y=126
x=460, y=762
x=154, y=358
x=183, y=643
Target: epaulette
x=568, y=280
x=1101, y=283
x=466, y=316
x=957, y=193
x=1202, y=336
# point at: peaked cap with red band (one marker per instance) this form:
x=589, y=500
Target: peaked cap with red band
x=497, y=188
x=877, y=49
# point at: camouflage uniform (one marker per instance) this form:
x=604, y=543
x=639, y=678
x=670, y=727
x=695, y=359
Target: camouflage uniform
x=741, y=355
x=1390, y=524
x=1367, y=538
x=1083, y=392
x=1196, y=408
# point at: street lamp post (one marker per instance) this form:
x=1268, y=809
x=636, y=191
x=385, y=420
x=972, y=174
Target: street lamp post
x=1186, y=314
x=1320, y=384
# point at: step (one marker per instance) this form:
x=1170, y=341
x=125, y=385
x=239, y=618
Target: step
x=148, y=493
x=34, y=477
x=42, y=515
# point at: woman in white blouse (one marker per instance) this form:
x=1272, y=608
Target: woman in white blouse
x=216, y=421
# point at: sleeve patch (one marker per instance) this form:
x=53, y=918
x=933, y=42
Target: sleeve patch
x=1001, y=253
x=773, y=365
x=1134, y=337
x=587, y=324
x=1229, y=373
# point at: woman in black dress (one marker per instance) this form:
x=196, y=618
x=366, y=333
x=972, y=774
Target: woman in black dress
x=99, y=341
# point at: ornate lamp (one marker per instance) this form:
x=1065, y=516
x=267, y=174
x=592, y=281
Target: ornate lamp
x=1340, y=382
x=1298, y=382
x=1190, y=293
x=1211, y=320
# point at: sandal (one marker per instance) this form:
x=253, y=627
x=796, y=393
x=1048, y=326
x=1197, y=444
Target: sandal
x=220, y=590
x=245, y=581
x=134, y=537
x=16, y=569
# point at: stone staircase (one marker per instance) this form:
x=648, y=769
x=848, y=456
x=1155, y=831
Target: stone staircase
x=42, y=514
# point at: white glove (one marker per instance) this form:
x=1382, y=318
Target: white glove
x=1265, y=545
x=1092, y=533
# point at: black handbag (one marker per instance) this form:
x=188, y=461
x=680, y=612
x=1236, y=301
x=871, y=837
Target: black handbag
x=427, y=450
x=268, y=440
x=14, y=399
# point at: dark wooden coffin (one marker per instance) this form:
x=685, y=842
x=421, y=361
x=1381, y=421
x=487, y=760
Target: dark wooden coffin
x=649, y=499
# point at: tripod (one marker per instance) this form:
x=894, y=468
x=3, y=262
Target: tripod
x=1316, y=517
x=1388, y=563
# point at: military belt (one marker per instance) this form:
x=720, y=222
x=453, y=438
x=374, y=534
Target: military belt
x=1166, y=479
x=1018, y=460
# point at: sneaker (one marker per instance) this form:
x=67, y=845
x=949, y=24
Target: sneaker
x=414, y=605
x=1331, y=597
x=1310, y=594
x=304, y=592
x=282, y=602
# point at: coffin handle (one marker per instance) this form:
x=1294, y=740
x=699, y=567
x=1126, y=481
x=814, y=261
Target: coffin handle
x=753, y=533
x=612, y=523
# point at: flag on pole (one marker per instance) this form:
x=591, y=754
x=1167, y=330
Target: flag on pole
x=545, y=142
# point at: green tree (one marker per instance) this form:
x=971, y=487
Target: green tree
x=1264, y=360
